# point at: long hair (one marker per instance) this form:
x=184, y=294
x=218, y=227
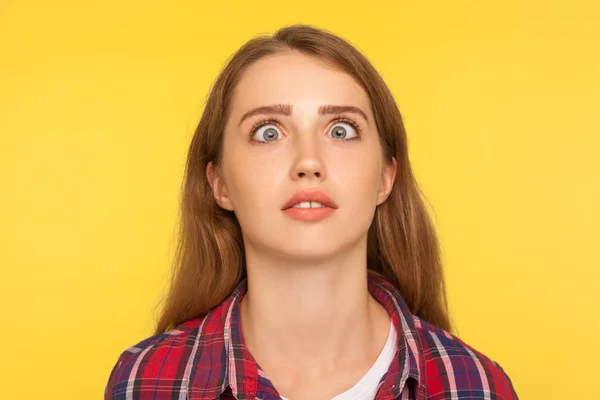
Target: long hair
x=402, y=244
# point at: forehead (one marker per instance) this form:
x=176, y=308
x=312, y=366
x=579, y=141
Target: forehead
x=296, y=79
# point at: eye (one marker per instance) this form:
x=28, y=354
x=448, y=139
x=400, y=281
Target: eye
x=341, y=130
x=266, y=133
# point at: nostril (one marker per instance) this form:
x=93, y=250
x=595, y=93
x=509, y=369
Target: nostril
x=303, y=174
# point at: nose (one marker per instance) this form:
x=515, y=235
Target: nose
x=308, y=161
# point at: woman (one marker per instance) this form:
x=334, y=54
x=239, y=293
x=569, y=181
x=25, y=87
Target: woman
x=308, y=267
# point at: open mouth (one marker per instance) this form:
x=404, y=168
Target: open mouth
x=309, y=205
x=304, y=213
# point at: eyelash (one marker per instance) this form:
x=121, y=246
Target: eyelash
x=264, y=122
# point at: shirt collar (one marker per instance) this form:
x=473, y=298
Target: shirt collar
x=408, y=365
x=220, y=336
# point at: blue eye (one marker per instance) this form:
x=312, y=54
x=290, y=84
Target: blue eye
x=266, y=133
x=341, y=129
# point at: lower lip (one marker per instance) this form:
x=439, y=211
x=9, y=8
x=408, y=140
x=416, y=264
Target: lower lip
x=309, y=214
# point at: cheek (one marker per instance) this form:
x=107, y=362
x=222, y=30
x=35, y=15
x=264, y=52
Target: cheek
x=365, y=201
x=256, y=194
x=253, y=183
x=360, y=180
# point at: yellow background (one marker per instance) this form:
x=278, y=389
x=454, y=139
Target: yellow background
x=98, y=102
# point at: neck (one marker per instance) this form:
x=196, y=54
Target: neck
x=312, y=316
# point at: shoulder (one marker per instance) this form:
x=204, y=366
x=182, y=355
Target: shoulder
x=155, y=365
x=453, y=366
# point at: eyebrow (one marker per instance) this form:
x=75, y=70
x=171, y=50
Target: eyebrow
x=286, y=109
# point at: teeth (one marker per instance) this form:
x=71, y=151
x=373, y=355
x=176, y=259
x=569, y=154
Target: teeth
x=308, y=204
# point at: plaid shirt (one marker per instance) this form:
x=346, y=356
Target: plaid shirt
x=205, y=359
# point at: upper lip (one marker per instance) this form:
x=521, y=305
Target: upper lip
x=309, y=195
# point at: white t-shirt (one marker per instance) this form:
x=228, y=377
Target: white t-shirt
x=366, y=387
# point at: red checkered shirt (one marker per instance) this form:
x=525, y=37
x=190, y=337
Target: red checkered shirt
x=205, y=359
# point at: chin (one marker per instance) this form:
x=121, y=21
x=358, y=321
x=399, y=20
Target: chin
x=314, y=249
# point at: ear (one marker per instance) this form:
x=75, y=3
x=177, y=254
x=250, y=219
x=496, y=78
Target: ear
x=388, y=177
x=218, y=186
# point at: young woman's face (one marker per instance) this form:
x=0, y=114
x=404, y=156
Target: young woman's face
x=300, y=144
